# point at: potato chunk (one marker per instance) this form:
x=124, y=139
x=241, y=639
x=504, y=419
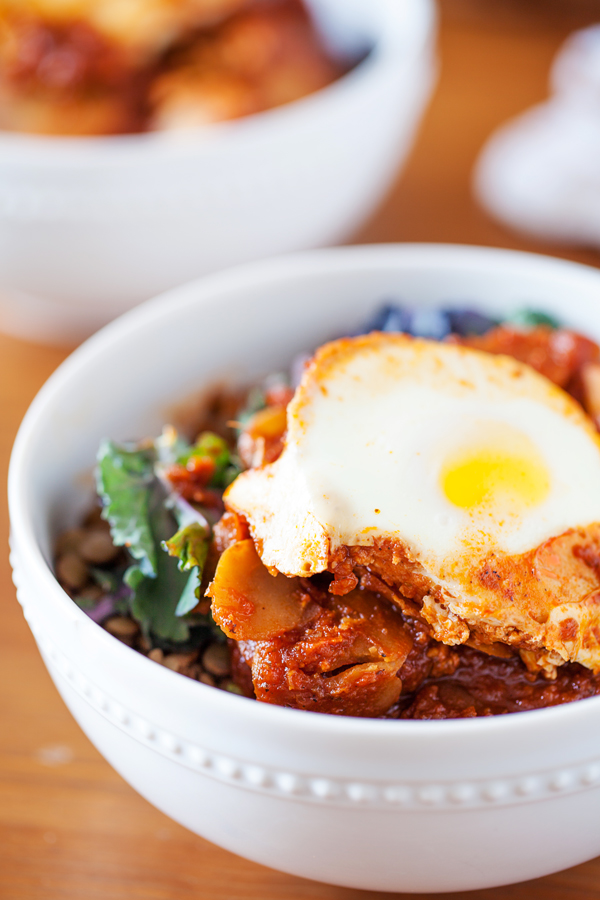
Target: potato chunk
x=306, y=648
x=251, y=604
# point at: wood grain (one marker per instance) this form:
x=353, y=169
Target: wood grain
x=70, y=828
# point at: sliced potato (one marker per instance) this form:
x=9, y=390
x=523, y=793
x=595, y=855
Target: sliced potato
x=248, y=603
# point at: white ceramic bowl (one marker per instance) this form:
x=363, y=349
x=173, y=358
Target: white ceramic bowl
x=90, y=227
x=375, y=804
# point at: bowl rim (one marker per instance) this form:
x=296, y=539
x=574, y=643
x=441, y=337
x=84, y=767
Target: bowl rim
x=278, y=269
x=414, y=22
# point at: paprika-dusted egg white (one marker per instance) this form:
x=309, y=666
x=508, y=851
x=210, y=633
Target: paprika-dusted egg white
x=446, y=448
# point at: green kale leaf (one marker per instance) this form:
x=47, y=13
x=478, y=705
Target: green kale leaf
x=125, y=481
x=135, y=505
x=156, y=599
x=530, y=318
x=189, y=598
x=190, y=547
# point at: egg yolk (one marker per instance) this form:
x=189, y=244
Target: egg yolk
x=507, y=478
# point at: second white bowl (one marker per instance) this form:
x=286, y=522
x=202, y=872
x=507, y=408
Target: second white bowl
x=91, y=227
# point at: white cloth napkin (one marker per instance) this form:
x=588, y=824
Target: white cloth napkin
x=540, y=173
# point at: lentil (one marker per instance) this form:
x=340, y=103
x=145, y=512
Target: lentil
x=123, y=628
x=70, y=540
x=215, y=660
x=178, y=662
x=96, y=547
x=71, y=570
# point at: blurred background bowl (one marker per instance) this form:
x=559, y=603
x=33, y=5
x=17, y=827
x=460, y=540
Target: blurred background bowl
x=89, y=227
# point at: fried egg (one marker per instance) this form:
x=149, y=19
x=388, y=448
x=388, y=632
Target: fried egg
x=462, y=464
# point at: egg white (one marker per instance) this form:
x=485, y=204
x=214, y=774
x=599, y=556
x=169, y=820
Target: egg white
x=371, y=427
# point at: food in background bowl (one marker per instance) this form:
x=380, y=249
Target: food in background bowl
x=433, y=498
x=90, y=227
x=118, y=66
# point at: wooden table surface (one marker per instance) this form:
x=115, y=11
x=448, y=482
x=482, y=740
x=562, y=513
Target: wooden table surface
x=69, y=826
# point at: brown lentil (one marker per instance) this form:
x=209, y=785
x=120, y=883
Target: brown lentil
x=70, y=540
x=156, y=655
x=92, y=593
x=215, y=660
x=94, y=519
x=71, y=570
x=179, y=662
x=123, y=628
x=144, y=644
x=96, y=547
